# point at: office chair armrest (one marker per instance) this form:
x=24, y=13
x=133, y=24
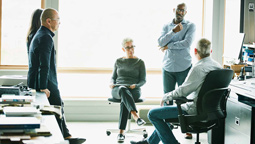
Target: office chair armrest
x=181, y=100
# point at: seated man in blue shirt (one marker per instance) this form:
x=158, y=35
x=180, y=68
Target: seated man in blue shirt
x=190, y=88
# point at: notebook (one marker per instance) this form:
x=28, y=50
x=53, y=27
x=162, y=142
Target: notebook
x=20, y=111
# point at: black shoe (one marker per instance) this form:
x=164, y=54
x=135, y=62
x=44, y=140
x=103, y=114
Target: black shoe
x=121, y=138
x=140, y=142
x=140, y=122
x=76, y=140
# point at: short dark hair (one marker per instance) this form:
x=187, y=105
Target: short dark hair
x=183, y=5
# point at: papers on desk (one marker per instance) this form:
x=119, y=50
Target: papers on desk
x=42, y=131
x=246, y=87
x=20, y=111
x=52, y=109
x=14, y=138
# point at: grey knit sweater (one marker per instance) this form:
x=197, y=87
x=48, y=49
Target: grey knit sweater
x=129, y=71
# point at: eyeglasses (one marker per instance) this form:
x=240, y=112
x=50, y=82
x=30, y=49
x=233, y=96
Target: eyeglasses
x=129, y=47
x=180, y=10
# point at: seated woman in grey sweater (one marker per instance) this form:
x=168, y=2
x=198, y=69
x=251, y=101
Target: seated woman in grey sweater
x=129, y=75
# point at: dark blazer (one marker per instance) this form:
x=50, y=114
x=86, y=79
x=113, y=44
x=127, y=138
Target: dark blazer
x=42, y=64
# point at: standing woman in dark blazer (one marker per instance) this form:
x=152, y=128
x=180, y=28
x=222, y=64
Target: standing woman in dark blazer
x=34, y=26
x=129, y=75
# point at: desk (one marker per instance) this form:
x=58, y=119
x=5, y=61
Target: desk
x=49, y=121
x=239, y=123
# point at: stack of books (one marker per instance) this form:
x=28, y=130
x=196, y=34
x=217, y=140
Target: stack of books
x=18, y=123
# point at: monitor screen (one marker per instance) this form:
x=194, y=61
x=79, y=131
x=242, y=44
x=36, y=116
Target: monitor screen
x=233, y=46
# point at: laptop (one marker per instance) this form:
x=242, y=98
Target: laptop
x=11, y=123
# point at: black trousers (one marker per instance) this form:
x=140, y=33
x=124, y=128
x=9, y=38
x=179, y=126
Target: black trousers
x=128, y=98
x=55, y=99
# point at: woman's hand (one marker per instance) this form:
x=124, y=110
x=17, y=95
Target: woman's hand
x=132, y=86
x=111, y=86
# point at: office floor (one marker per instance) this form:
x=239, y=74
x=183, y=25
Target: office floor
x=95, y=133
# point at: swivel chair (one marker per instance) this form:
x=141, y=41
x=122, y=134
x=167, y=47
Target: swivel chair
x=141, y=131
x=211, y=104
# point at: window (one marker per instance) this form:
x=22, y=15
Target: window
x=208, y=19
x=90, y=36
x=16, y=15
x=232, y=38
x=91, y=32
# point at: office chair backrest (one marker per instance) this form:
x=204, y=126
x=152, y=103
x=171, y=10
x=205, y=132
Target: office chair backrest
x=212, y=95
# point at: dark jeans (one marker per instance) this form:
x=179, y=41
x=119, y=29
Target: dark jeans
x=162, y=131
x=171, y=78
x=55, y=99
x=128, y=98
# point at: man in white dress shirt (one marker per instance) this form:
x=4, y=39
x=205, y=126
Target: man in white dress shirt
x=190, y=89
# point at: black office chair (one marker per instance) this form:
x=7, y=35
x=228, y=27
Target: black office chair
x=211, y=104
x=141, y=131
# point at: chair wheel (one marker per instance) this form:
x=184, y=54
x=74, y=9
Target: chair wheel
x=108, y=133
x=145, y=135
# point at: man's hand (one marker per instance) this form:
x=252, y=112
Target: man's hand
x=163, y=48
x=166, y=98
x=46, y=91
x=132, y=86
x=178, y=28
x=111, y=86
x=162, y=102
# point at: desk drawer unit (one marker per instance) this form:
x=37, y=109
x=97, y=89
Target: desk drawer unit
x=238, y=123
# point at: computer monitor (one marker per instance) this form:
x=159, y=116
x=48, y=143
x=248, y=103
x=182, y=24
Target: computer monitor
x=233, y=47
x=240, y=56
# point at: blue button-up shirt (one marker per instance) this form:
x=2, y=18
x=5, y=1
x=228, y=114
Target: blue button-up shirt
x=177, y=57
